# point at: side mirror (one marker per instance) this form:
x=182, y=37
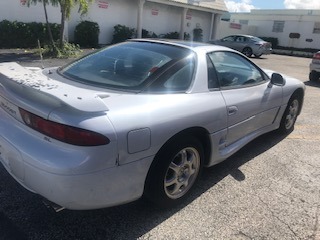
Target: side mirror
x=277, y=79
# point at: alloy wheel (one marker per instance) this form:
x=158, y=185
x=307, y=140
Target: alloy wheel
x=182, y=172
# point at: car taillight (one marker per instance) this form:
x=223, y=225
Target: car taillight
x=264, y=44
x=316, y=56
x=63, y=133
x=261, y=45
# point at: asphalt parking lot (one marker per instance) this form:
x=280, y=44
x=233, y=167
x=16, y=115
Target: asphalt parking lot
x=268, y=190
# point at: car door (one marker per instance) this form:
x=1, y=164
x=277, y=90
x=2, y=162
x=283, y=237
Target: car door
x=239, y=43
x=227, y=41
x=252, y=102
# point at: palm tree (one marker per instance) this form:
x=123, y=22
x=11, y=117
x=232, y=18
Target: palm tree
x=65, y=8
x=45, y=2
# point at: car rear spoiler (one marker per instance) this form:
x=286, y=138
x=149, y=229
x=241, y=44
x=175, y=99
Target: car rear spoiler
x=31, y=84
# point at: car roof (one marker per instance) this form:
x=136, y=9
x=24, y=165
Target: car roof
x=242, y=35
x=185, y=44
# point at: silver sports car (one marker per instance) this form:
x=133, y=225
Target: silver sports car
x=140, y=118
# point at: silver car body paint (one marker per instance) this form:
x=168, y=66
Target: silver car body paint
x=258, y=46
x=137, y=124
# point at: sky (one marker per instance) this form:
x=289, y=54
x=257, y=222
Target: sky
x=247, y=5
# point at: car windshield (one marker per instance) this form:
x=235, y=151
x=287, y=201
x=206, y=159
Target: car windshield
x=126, y=66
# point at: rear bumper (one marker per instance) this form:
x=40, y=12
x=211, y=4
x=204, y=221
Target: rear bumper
x=260, y=52
x=72, y=177
x=105, y=188
x=264, y=51
x=314, y=67
x=268, y=51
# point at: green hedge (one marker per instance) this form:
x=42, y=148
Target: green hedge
x=87, y=33
x=25, y=35
x=309, y=50
x=121, y=33
x=171, y=35
x=148, y=34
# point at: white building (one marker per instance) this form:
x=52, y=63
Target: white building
x=293, y=28
x=158, y=16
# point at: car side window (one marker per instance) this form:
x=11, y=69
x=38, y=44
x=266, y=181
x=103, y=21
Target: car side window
x=235, y=71
x=181, y=79
x=228, y=39
x=240, y=39
x=213, y=81
x=176, y=78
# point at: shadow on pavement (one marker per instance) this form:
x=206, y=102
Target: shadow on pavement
x=9, y=230
x=24, y=209
x=312, y=84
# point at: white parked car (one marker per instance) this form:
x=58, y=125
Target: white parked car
x=137, y=118
x=314, y=66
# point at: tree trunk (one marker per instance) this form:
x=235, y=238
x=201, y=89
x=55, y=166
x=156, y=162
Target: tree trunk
x=63, y=18
x=48, y=26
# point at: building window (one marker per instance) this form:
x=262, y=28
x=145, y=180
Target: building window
x=316, y=28
x=244, y=22
x=278, y=26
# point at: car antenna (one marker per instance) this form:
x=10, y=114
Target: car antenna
x=40, y=52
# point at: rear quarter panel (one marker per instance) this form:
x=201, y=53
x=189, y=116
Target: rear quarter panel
x=164, y=115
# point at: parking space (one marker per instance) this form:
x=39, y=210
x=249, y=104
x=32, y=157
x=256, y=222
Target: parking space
x=268, y=190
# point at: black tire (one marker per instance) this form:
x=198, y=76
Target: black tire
x=314, y=76
x=290, y=115
x=174, y=172
x=247, y=51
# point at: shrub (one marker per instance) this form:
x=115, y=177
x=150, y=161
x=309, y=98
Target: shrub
x=172, y=35
x=186, y=36
x=292, y=49
x=25, y=35
x=148, y=34
x=68, y=50
x=122, y=33
x=86, y=34
x=6, y=34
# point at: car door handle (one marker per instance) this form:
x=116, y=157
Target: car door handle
x=232, y=110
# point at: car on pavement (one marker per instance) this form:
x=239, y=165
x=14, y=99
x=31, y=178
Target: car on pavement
x=314, y=67
x=139, y=118
x=248, y=45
